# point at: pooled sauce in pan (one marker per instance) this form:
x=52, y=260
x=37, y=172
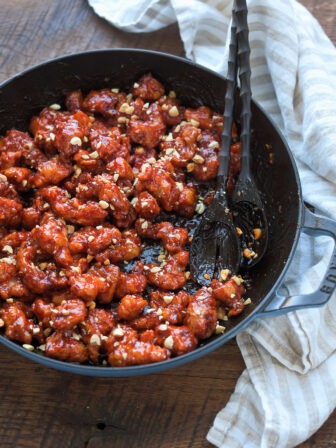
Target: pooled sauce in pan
x=98, y=203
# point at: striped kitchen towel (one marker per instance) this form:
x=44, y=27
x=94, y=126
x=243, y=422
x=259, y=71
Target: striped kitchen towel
x=288, y=388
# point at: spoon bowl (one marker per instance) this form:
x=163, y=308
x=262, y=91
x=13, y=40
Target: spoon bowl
x=215, y=245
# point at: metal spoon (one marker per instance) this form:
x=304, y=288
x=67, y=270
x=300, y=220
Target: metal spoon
x=249, y=212
x=215, y=244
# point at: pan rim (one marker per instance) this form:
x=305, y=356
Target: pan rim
x=110, y=371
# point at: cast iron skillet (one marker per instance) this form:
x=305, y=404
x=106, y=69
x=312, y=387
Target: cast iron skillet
x=27, y=93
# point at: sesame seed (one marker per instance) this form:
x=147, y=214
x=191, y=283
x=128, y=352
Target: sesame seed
x=179, y=186
x=194, y=123
x=169, y=342
x=55, y=106
x=144, y=225
x=43, y=266
x=198, y=159
x=91, y=238
x=77, y=170
x=237, y=280
x=8, y=249
x=28, y=347
x=247, y=301
x=42, y=347
x=122, y=120
x=103, y=204
x=190, y=167
x=123, y=107
x=94, y=155
x=65, y=312
x=76, y=336
x=170, y=151
x=173, y=112
x=162, y=327
x=155, y=269
x=8, y=260
x=52, y=136
x=248, y=253
x=76, y=141
x=95, y=340
x=115, y=90
x=136, y=85
x=172, y=94
x=239, y=231
x=200, y=207
x=2, y=323
x=221, y=313
x=126, y=108
x=70, y=229
x=168, y=299
x=219, y=329
x=118, y=332
x=214, y=144
x=224, y=274
x=10, y=300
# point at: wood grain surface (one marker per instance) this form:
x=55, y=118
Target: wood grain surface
x=41, y=407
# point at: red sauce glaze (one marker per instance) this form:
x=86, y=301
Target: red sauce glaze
x=81, y=194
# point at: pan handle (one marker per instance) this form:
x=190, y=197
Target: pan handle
x=314, y=225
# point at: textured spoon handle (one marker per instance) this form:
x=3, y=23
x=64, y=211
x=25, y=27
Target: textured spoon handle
x=240, y=12
x=224, y=155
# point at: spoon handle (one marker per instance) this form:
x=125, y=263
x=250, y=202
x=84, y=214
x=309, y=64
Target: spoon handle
x=240, y=12
x=224, y=155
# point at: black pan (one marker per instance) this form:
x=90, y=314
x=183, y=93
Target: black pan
x=27, y=93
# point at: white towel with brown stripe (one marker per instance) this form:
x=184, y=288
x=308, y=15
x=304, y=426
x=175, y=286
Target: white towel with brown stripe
x=288, y=388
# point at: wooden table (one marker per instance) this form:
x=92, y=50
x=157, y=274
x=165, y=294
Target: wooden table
x=40, y=407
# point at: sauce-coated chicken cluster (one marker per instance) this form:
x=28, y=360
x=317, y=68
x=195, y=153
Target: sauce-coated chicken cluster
x=81, y=195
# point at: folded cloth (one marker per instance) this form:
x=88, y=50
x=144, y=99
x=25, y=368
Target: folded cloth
x=287, y=390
